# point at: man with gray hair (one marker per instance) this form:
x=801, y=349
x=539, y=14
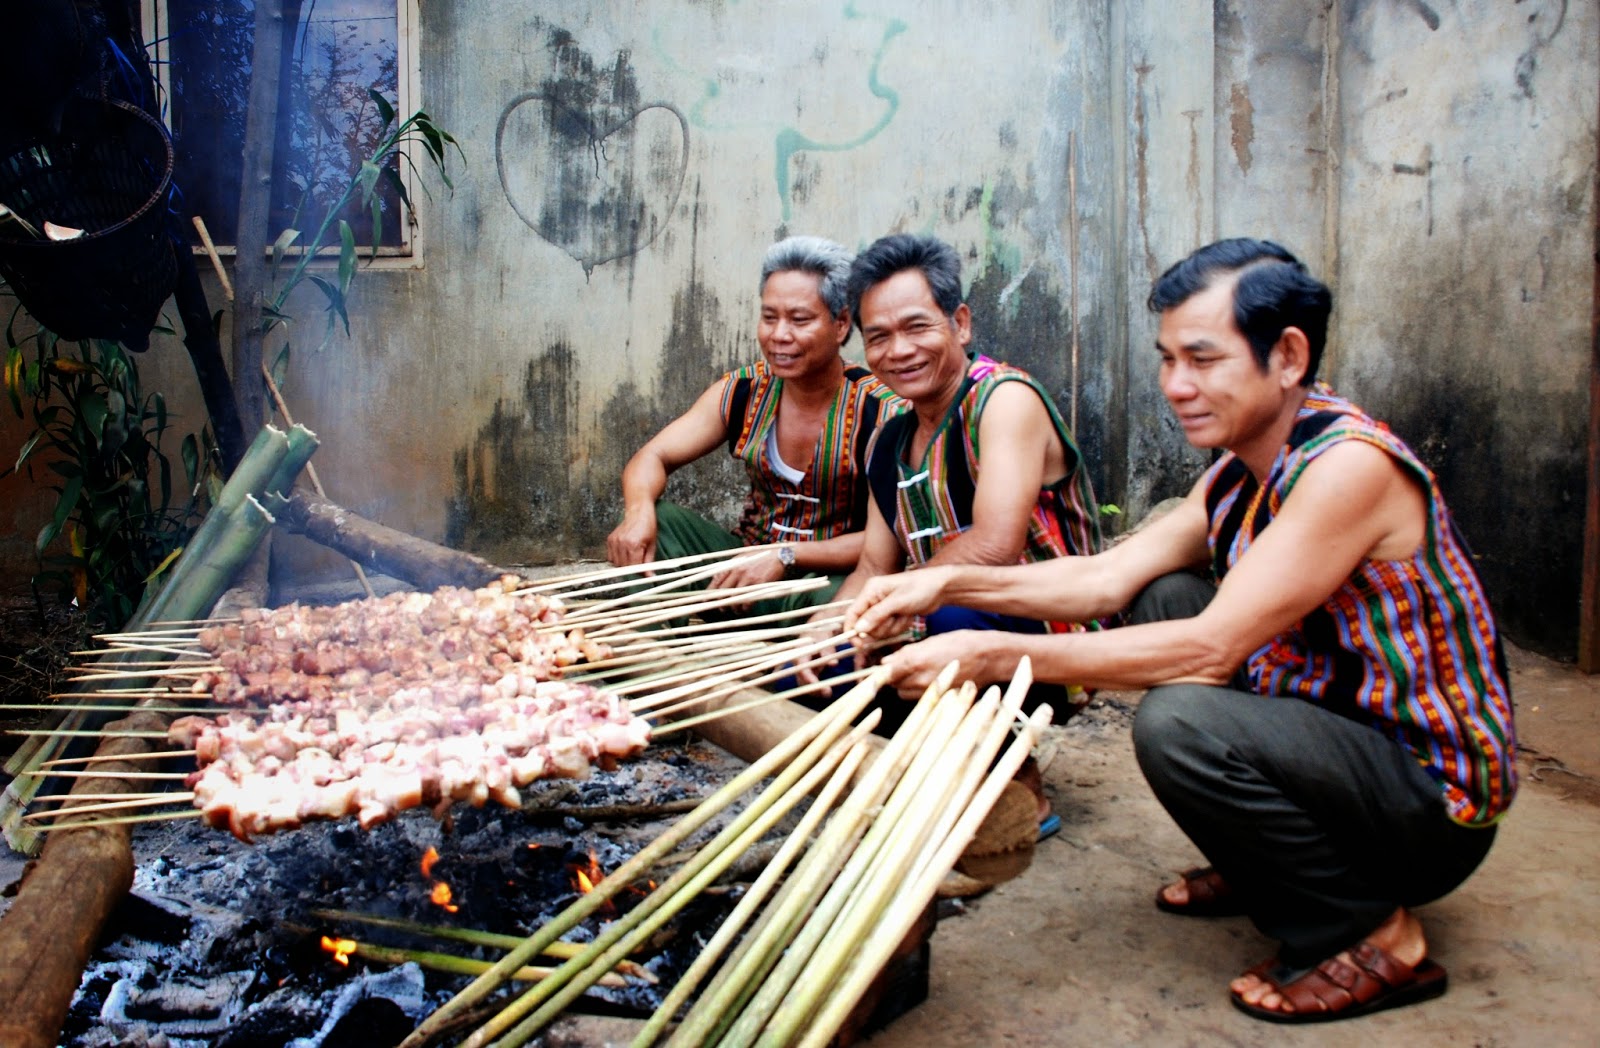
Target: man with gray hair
x=799, y=419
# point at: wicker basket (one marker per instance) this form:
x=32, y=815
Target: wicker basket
x=108, y=173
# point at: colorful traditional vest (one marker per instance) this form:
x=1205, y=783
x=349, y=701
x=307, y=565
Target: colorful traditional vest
x=831, y=499
x=1408, y=646
x=929, y=503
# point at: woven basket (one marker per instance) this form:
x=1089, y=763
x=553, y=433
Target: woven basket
x=108, y=173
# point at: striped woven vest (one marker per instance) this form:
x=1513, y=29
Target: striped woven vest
x=1408, y=646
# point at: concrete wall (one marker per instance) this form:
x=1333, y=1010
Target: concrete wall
x=627, y=165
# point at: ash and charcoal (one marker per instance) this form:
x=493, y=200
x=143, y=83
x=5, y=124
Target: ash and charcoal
x=219, y=945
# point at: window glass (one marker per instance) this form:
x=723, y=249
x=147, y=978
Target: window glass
x=327, y=123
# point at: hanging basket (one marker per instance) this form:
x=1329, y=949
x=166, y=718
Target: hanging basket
x=107, y=173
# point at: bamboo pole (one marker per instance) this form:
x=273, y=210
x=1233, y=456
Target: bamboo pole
x=765, y=884
x=759, y=951
x=452, y=963
x=686, y=884
x=802, y=951
x=876, y=950
x=845, y=708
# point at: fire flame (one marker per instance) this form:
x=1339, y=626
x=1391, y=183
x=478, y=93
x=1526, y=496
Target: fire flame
x=441, y=894
x=340, y=948
x=584, y=878
x=441, y=897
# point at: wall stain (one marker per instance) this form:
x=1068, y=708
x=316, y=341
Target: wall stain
x=1528, y=62
x=1429, y=16
x=1241, y=122
x=566, y=162
x=790, y=140
x=528, y=487
x=1141, y=144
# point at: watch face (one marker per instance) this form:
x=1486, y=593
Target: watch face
x=786, y=556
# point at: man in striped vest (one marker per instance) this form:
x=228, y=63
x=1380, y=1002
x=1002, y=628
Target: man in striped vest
x=799, y=420
x=981, y=470
x=1329, y=718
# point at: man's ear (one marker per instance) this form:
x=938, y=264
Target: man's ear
x=961, y=320
x=841, y=324
x=1294, y=353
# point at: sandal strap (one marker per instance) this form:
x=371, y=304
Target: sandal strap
x=1335, y=985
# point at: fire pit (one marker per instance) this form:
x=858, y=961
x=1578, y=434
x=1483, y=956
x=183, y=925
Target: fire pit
x=221, y=943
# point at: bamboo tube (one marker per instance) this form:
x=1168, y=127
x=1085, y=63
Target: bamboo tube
x=760, y=950
x=456, y=965
x=559, y=949
x=765, y=884
x=876, y=950
x=708, y=864
x=803, y=950
x=841, y=711
x=251, y=475
x=135, y=802
x=910, y=815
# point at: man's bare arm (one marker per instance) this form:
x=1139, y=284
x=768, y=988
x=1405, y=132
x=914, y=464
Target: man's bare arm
x=1016, y=437
x=695, y=433
x=1353, y=502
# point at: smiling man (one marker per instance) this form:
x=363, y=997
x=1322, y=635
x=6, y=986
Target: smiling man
x=799, y=420
x=982, y=469
x=1329, y=718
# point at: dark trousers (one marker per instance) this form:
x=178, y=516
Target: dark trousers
x=1322, y=824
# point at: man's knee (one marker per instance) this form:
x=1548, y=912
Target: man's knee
x=1179, y=595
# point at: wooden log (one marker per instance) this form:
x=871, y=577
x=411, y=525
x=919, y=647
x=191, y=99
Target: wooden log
x=54, y=922
x=426, y=565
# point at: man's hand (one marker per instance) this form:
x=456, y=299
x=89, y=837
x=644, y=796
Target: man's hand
x=754, y=572
x=634, y=540
x=914, y=666
x=888, y=604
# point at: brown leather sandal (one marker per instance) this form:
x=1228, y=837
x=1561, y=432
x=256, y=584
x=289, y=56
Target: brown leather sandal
x=1209, y=896
x=1370, y=981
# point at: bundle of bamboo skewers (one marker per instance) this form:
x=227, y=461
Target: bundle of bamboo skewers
x=802, y=947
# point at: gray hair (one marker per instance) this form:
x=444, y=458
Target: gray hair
x=829, y=261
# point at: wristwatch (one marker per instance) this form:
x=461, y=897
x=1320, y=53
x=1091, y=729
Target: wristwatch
x=786, y=558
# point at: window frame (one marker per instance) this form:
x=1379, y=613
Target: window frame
x=407, y=254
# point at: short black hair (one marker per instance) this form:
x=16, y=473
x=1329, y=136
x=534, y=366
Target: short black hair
x=1274, y=291
x=898, y=252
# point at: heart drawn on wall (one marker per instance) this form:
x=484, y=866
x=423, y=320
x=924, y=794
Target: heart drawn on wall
x=598, y=181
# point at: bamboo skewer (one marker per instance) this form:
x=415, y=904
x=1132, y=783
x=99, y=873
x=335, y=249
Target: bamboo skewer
x=137, y=635
x=102, y=757
x=743, y=595
x=125, y=820
x=43, y=797
x=131, y=775
x=157, y=648
x=649, y=567
x=198, y=671
x=134, y=802
x=766, y=700
x=744, y=621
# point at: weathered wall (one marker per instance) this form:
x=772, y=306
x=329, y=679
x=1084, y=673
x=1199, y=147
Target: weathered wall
x=594, y=268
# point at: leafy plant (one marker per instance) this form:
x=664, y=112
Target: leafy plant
x=381, y=167
x=115, y=499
